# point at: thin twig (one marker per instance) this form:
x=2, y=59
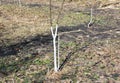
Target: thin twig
x=50, y=13
x=60, y=12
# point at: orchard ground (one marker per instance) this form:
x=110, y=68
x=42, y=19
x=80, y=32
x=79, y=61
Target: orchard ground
x=26, y=51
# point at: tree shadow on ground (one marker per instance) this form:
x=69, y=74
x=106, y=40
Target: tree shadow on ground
x=14, y=49
x=37, y=40
x=47, y=39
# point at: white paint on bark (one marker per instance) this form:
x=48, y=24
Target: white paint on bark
x=54, y=35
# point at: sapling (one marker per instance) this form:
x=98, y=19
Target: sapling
x=56, y=45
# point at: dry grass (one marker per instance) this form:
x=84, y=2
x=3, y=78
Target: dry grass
x=18, y=23
x=22, y=22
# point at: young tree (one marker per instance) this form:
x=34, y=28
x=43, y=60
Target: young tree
x=55, y=36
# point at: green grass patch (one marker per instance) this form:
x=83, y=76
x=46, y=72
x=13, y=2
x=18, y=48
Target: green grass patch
x=38, y=61
x=73, y=18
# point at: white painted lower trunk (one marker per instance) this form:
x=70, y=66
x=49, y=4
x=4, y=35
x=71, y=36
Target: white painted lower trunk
x=54, y=35
x=55, y=51
x=91, y=17
x=58, y=51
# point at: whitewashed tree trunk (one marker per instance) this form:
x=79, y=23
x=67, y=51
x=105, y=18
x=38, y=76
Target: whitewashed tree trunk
x=54, y=35
x=19, y=2
x=14, y=1
x=91, y=17
x=58, y=51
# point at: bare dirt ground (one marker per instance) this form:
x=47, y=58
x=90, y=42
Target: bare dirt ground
x=90, y=55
